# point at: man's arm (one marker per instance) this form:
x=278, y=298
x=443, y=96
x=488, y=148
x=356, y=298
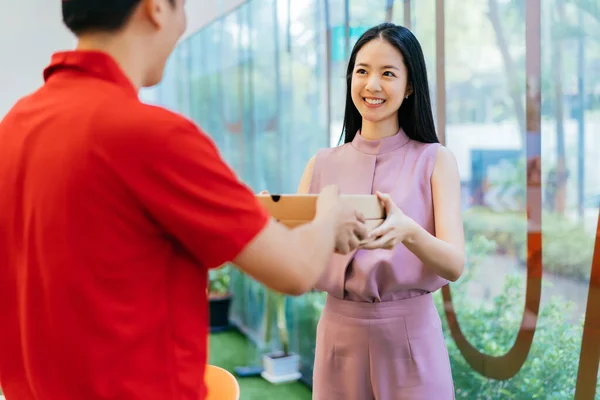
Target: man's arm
x=196, y=198
x=311, y=245
x=290, y=260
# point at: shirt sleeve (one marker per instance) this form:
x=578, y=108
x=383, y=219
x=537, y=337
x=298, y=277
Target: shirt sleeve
x=193, y=195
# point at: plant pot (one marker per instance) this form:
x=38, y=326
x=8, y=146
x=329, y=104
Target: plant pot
x=281, y=369
x=219, y=311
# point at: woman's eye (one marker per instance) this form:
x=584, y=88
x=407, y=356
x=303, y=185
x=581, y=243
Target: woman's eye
x=388, y=73
x=361, y=71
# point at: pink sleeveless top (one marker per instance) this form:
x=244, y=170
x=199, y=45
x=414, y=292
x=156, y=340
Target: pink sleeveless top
x=398, y=166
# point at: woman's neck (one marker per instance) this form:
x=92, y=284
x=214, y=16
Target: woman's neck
x=379, y=130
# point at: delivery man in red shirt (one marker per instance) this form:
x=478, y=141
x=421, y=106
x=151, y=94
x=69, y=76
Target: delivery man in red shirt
x=113, y=211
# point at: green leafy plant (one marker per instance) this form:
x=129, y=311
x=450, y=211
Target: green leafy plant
x=275, y=310
x=550, y=371
x=219, y=281
x=567, y=246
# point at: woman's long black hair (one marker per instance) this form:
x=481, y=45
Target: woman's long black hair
x=414, y=115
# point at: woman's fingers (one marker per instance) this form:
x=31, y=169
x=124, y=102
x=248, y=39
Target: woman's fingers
x=381, y=230
x=386, y=199
x=384, y=242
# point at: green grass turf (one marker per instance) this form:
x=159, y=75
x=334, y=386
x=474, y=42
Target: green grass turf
x=229, y=349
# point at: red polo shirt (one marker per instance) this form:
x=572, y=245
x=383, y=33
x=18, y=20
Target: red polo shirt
x=111, y=213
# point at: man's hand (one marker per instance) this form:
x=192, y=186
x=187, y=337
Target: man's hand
x=350, y=228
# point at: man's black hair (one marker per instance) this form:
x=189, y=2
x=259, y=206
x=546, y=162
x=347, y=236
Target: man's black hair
x=82, y=16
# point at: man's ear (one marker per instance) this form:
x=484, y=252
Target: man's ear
x=155, y=11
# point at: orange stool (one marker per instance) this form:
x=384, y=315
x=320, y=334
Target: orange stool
x=221, y=384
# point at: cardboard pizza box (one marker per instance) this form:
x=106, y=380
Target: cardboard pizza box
x=296, y=209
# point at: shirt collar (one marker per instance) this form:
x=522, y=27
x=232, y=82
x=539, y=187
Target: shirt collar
x=380, y=146
x=95, y=63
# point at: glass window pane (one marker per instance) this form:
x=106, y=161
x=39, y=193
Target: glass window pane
x=267, y=82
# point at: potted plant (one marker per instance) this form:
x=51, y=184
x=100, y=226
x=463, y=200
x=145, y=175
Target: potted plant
x=279, y=366
x=219, y=297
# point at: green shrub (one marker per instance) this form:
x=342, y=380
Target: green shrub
x=550, y=371
x=508, y=230
x=219, y=280
x=567, y=247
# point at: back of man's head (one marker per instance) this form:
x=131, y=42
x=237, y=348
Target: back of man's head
x=140, y=34
x=82, y=16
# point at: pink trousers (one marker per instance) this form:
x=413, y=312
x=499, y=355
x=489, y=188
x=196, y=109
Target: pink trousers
x=384, y=351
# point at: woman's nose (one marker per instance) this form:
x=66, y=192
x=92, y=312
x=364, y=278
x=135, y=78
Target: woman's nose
x=373, y=84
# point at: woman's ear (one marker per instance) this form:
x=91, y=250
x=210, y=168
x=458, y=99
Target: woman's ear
x=409, y=90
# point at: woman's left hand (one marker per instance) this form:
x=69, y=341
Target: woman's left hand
x=395, y=229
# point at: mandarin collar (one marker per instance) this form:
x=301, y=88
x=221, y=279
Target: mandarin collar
x=95, y=63
x=380, y=146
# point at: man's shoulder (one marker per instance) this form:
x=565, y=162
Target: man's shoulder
x=134, y=123
x=150, y=118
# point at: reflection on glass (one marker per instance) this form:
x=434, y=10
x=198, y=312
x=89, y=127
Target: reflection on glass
x=267, y=83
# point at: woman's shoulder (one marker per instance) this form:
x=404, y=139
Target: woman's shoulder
x=433, y=150
x=433, y=156
x=427, y=148
x=327, y=152
x=335, y=149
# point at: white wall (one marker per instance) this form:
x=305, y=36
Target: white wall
x=31, y=30
x=202, y=12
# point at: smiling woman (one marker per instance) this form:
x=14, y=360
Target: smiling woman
x=379, y=88
x=391, y=149
x=387, y=87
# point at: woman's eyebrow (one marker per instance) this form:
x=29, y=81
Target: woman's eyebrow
x=384, y=67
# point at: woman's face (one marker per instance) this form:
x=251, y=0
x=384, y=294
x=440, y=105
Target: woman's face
x=379, y=81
